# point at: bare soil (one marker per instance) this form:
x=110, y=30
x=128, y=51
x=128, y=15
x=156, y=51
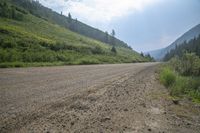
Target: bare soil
x=96, y=98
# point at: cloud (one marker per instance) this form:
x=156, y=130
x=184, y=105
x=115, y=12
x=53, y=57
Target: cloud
x=98, y=10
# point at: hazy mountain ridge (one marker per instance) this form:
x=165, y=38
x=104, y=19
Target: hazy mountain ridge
x=191, y=34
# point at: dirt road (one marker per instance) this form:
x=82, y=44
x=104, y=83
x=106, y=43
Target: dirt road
x=96, y=98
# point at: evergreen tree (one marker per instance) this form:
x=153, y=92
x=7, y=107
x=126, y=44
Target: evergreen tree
x=142, y=54
x=69, y=18
x=113, y=33
x=113, y=37
x=113, y=42
x=106, y=37
x=114, y=50
x=70, y=21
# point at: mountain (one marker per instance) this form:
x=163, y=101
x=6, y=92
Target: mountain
x=32, y=40
x=191, y=34
x=192, y=46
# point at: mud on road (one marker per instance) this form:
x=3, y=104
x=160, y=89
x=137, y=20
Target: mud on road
x=96, y=98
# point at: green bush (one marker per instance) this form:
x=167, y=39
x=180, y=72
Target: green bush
x=186, y=86
x=190, y=64
x=88, y=61
x=180, y=87
x=195, y=95
x=113, y=50
x=186, y=81
x=167, y=76
x=187, y=65
x=97, y=50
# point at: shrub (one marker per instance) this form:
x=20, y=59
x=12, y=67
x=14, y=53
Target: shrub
x=167, y=76
x=97, y=50
x=187, y=81
x=186, y=86
x=88, y=61
x=113, y=50
x=180, y=87
x=187, y=65
x=190, y=64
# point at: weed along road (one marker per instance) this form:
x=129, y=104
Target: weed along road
x=87, y=98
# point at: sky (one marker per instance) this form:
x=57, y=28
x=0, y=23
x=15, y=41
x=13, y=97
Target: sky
x=145, y=25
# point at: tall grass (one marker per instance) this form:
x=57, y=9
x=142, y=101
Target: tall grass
x=167, y=76
x=179, y=77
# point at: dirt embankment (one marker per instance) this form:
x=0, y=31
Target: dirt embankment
x=97, y=98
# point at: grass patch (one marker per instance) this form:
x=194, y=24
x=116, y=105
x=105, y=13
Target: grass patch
x=167, y=76
x=180, y=86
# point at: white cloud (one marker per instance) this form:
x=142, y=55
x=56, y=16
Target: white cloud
x=98, y=10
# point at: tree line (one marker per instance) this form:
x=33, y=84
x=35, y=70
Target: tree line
x=148, y=56
x=10, y=11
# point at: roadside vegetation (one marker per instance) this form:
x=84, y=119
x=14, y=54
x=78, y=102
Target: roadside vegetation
x=182, y=76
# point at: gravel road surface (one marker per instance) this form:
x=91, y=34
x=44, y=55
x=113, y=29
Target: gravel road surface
x=91, y=98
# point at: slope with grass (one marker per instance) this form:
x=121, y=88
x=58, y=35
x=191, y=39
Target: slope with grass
x=182, y=76
x=32, y=41
x=35, y=8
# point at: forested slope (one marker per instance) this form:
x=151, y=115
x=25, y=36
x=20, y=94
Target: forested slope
x=189, y=35
x=193, y=46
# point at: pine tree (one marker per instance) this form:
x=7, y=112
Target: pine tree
x=113, y=49
x=69, y=18
x=106, y=37
x=113, y=37
x=113, y=42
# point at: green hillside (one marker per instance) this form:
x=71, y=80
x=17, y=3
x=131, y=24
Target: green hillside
x=38, y=10
x=27, y=40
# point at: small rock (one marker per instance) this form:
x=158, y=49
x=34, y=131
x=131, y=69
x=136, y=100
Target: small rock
x=189, y=98
x=125, y=109
x=175, y=101
x=72, y=123
x=143, y=105
x=149, y=129
x=105, y=119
